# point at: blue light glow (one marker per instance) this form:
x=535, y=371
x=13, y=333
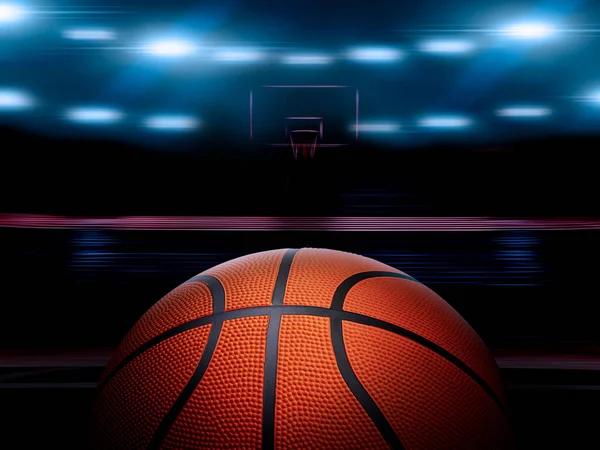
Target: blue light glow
x=307, y=59
x=377, y=127
x=592, y=97
x=446, y=46
x=239, y=55
x=10, y=13
x=171, y=48
x=524, y=112
x=89, y=34
x=94, y=115
x=529, y=31
x=375, y=55
x=11, y=100
x=171, y=122
x=445, y=122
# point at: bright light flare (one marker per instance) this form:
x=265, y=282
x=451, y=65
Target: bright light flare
x=524, y=112
x=593, y=97
x=377, y=127
x=171, y=48
x=89, y=34
x=375, y=55
x=11, y=99
x=445, y=122
x=446, y=46
x=94, y=115
x=10, y=13
x=239, y=55
x=307, y=59
x=529, y=31
x=171, y=123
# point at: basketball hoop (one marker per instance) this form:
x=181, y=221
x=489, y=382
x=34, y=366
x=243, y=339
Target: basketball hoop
x=304, y=143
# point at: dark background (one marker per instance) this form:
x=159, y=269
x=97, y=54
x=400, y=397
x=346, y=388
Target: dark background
x=76, y=291
x=71, y=293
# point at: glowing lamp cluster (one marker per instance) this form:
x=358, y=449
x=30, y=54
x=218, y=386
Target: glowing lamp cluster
x=14, y=100
x=377, y=127
x=89, y=34
x=445, y=122
x=375, y=55
x=10, y=13
x=446, y=46
x=524, y=112
x=529, y=31
x=171, y=123
x=94, y=115
x=307, y=59
x=243, y=55
x=593, y=97
x=171, y=48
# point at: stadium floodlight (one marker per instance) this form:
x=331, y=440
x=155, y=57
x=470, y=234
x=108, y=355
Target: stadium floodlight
x=592, y=97
x=171, y=122
x=94, y=115
x=10, y=13
x=445, y=122
x=377, y=127
x=375, y=55
x=524, y=112
x=171, y=48
x=239, y=55
x=446, y=46
x=11, y=99
x=307, y=59
x=529, y=31
x=89, y=34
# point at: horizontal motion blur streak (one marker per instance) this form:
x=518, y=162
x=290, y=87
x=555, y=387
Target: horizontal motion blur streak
x=243, y=223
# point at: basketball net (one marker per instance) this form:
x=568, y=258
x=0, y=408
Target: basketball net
x=304, y=143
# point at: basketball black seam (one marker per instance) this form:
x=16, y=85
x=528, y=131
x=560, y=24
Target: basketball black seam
x=358, y=390
x=205, y=320
x=272, y=350
x=215, y=287
x=315, y=311
x=218, y=297
x=169, y=419
x=341, y=356
x=320, y=312
x=339, y=296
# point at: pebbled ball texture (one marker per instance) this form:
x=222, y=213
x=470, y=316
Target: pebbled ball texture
x=301, y=349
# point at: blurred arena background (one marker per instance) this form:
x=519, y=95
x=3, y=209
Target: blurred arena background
x=141, y=143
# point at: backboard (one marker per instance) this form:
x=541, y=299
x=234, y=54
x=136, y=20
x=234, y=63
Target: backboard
x=276, y=111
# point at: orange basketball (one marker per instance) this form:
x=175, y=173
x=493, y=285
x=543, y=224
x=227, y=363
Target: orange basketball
x=305, y=349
